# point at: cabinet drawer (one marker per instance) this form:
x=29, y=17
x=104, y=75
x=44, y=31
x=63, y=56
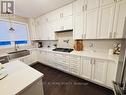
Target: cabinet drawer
x=74, y=71
x=74, y=58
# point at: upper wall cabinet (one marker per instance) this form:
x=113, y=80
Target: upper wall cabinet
x=106, y=21
x=91, y=4
x=67, y=11
x=33, y=34
x=78, y=28
x=106, y=2
x=78, y=6
x=85, y=22
x=91, y=24
x=120, y=20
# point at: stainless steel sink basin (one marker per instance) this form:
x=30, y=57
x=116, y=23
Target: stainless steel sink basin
x=18, y=54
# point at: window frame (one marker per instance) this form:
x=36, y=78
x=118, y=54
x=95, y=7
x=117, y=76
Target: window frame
x=28, y=34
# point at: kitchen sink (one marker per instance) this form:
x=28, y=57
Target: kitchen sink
x=18, y=54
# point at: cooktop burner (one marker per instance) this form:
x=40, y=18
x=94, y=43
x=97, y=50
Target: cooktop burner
x=63, y=50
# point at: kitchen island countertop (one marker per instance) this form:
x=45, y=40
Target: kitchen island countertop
x=20, y=76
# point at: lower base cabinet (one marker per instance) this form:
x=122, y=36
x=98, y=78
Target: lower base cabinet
x=99, y=71
x=62, y=62
x=86, y=67
x=111, y=73
x=29, y=59
x=75, y=65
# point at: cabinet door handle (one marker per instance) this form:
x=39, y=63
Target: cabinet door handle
x=114, y=34
x=110, y=35
x=84, y=35
x=62, y=15
x=86, y=7
x=83, y=8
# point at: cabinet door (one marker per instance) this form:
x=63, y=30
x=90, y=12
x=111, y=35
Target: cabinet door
x=106, y=20
x=75, y=65
x=67, y=23
x=99, y=71
x=32, y=29
x=50, y=57
x=43, y=57
x=91, y=24
x=106, y=2
x=92, y=4
x=67, y=10
x=78, y=26
x=120, y=20
x=78, y=6
x=86, y=68
x=111, y=73
x=37, y=28
x=50, y=31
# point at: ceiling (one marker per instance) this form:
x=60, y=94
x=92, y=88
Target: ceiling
x=33, y=8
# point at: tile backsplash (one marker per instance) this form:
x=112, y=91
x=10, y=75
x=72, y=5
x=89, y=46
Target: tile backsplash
x=100, y=45
x=96, y=45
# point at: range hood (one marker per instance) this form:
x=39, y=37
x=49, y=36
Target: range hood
x=69, y=30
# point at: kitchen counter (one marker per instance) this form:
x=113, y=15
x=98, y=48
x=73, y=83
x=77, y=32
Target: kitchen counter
x=20, y=76
x=98, y=55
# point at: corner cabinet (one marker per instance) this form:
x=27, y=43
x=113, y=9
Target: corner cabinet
x=111, y=73
x=99, y=71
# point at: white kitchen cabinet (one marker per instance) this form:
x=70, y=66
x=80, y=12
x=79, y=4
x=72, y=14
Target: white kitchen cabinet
x=86, y=67
x=67, y=10
x=91, y=24
x=78, y=6
x=120, y=20
x=51, y=60
x=106, y=20
x=66, y=23
x=99, y=71
x=78, y=26
x=32, y=28
x=43, y=57
x=106, y=2
x=30, y=59
x=92, y=4
x=75, y=63
x=111, y=73
x=50, y=31
x=62, y=62
x=38, y=28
